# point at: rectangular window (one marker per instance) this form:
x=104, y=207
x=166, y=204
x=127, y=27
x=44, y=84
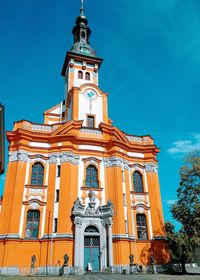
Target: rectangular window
x=58, y=171
x=90, y=121
x=141, y=226
x=57, y=195
x=55, y=224
x=32, y=224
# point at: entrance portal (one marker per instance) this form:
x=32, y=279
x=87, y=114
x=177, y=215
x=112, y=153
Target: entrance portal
x=90, y=250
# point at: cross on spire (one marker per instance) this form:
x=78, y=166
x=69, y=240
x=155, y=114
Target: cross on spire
x=82, y=8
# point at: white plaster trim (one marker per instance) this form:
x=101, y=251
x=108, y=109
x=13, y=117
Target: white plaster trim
x=38, y=144
x=21, y=221
x=57, y=183
x=93, y=148
x=21, y=224
x=56, y=210
x=47, y=173
x=27, y=173
x=43, y=221
x=150, y=224
x=80, y=177
x=149, y=211
x=102, y=178
x=138, y=155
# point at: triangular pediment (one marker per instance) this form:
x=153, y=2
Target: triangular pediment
x=67, y=128
x=114, y=132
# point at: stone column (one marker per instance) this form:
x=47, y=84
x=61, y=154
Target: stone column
x=77, y=263
x=110, y=251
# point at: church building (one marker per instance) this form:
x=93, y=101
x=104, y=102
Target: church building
x=79, y=191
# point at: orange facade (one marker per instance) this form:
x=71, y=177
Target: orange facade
x=78, y=185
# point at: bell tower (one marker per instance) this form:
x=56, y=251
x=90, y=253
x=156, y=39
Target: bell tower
x=84, y=100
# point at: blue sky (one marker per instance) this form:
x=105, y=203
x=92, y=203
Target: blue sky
x=151, y=52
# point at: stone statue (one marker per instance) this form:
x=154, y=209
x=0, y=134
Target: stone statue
x=152, y=262
x=109, y=203
x=152, y=259
x=33, y=260
x=77, y=202
x=92, y=196
x=66, y=259
x=131, y=257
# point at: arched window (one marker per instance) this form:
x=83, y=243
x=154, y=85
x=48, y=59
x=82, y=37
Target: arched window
x=37, y=174
x=32, y=224
x=91, y=229
x=82, y=34
x=141, y=226
x=91, y=177
x=137, y=182
x=80, y=75
x=87, y=76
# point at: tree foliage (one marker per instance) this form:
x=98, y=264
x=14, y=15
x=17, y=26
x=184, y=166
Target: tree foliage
x=186, y=210
x=180, y=247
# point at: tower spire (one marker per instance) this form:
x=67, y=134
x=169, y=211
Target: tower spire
x=82, y=8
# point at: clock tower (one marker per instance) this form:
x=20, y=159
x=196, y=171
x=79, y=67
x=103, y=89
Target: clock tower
x=84, y=99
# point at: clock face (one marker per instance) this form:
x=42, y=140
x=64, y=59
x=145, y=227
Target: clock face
x=90, y=94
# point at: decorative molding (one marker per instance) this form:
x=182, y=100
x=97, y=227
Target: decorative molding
x=138, y=139
x=151, y=167
x=10, y=235
x=134, y=138
x=18, y=156
x=41, y=127
x=80, y=211
x=34, y=203
x=69, y=157
x=36, y=187
x=116, y=162
x=54, y=157
x=90, y=131
x=58, y=235
x=35, y=191
x=137, y=167
x=38, y=157
x=64, y=157
x=92, y=160
x=121, y=236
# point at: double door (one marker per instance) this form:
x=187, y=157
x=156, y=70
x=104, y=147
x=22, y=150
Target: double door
x=91, y=253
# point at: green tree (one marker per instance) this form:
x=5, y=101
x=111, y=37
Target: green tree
x=179, y=246
x=186, y=210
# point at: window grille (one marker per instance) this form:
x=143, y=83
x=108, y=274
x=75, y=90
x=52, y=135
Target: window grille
x=37, y=174
x=91, y=177
x=32, y=224
x=91, y=229
x=137, y=182
x=141, y=226
x=91, y=241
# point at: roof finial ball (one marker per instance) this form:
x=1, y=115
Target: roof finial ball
x=82, y=8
